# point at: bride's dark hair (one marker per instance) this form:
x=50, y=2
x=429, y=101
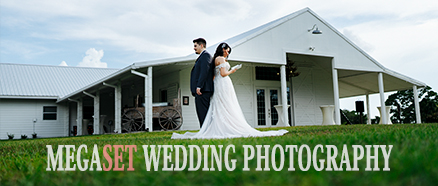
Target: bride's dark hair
x=219, y=51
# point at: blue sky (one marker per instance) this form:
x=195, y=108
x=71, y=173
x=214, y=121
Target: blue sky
x=400, y=34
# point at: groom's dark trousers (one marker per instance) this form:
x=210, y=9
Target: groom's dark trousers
x=202, y=77
x=202, y=104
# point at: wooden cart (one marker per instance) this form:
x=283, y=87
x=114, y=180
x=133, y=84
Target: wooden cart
x=169, y=117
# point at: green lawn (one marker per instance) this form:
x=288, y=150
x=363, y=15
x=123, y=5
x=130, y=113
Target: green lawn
x=413, y=159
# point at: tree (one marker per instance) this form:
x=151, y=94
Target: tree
x=353, y=116
x=376, y=120
x=403, y=109
x=429, y=107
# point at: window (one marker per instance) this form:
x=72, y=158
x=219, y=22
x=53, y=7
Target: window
x=49, y=112
x=268, y=73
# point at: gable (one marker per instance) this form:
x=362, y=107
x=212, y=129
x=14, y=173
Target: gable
x=290, y=35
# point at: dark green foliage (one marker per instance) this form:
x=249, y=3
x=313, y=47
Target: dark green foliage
x=403, y=109
x=354, y=117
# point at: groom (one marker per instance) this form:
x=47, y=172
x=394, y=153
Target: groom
x=201, y=79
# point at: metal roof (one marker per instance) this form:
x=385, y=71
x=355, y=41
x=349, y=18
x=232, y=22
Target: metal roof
x=42, y=81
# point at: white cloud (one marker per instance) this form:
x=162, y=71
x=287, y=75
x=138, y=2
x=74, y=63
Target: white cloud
x=63, y=63
x=26, y=50
x=405, y=46
x=165, y=27
x=92, y=59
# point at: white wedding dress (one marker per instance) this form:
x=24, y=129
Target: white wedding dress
x=225, y=118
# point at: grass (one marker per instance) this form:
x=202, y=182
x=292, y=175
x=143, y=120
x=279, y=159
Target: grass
x=413, y=159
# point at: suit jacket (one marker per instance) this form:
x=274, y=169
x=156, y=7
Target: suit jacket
x=202, y=74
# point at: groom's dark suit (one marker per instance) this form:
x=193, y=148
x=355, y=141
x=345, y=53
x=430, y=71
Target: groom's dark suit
x=202, y=77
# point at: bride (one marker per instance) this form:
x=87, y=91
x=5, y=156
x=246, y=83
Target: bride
x=225, y=118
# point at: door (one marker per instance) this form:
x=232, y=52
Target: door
x=267, y=98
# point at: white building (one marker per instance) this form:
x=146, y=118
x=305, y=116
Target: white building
x=331, y=67
x=28, y=95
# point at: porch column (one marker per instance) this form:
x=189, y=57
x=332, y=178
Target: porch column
x=417, y=105
x=336, y=93
x=147, y=97
x=292, y=104
x=284, y=96
x=368, y=108
x=96, y=121
x=118, y=109
x=382, y=99
x=117, y=106
x=67, y=119
x=96, y=116
x=79, y=116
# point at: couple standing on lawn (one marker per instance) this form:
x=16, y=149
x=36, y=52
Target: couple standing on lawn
x=218, y=109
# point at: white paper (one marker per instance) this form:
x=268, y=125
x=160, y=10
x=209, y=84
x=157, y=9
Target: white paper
x=237, y=67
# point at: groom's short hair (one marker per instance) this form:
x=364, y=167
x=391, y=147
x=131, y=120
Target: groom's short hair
x=201, y=41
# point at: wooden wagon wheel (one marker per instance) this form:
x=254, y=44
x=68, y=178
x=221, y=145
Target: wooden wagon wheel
x=170, y=119
x=132, y=120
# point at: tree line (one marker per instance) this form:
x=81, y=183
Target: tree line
x=402, y=108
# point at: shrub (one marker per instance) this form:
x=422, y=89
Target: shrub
x=10, y=136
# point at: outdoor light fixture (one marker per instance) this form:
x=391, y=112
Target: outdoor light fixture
x=316, y=31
